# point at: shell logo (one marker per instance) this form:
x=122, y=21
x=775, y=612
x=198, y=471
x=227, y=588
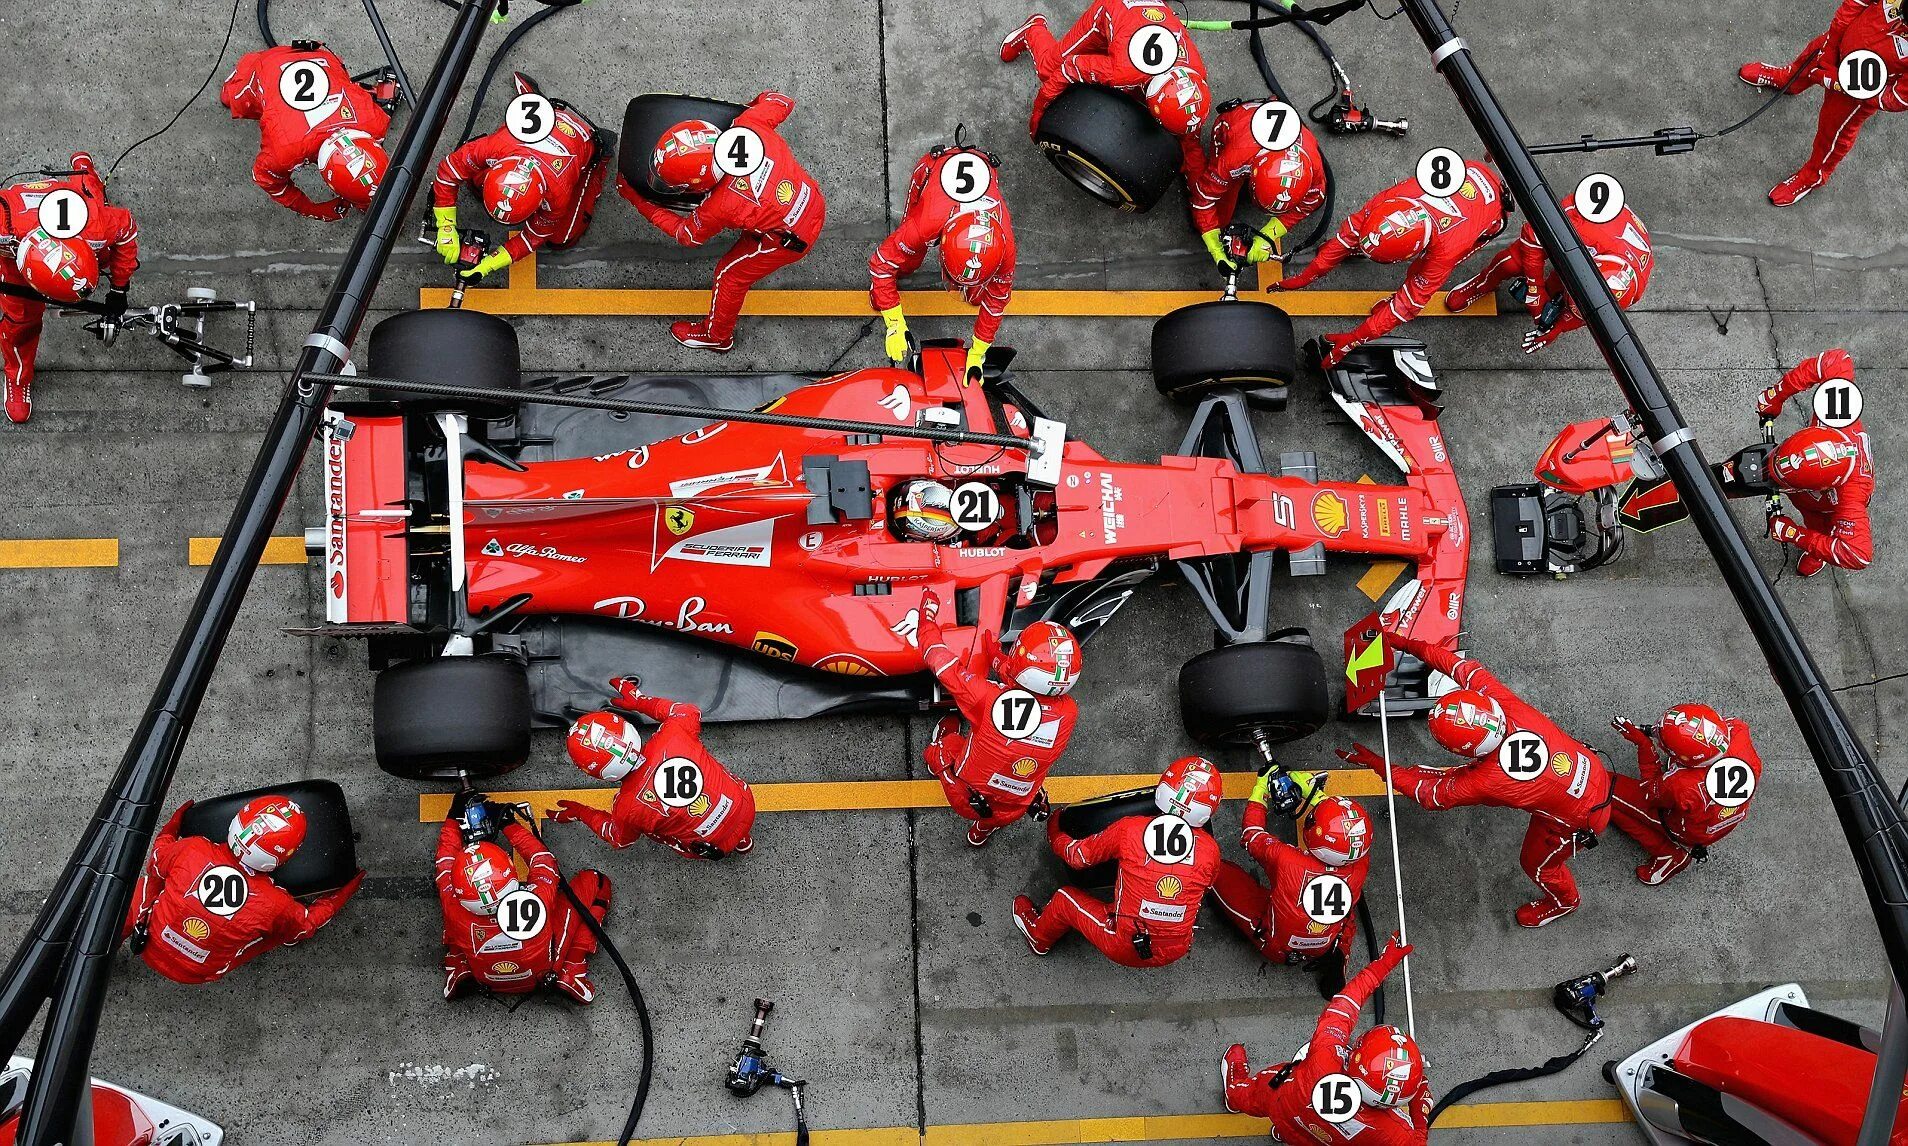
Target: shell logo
x=1560, y=764
x=700, y=807
x=1170, y=886
x=785, y=192
x=197, y=929
x=846, y=666
x=1154, y=14
x=1024, y=767
x=1330, y=513
x=505, y=967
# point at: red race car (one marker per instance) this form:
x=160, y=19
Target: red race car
x=120, y=1117
x=756, y=568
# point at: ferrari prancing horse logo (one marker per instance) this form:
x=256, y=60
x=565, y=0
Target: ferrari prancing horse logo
x=679, y=519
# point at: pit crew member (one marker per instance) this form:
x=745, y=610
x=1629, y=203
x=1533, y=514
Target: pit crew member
x=1676, y=808
x=778, y=208
x=1828, y=474
x=671, y=790
x=310, y=110
x=36, y=268
x=1434, y=232
x=989, y=765
x=1858, y=25
x=1165, y=864
x=1516, y=757
x=1288, y=184
x=204, y=908
x=1385, y=1065
x=975, y=237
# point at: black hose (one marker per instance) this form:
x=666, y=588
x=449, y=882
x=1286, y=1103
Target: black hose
x=265, y=24
x=209, y=77
x=1377, y=1007
x=496, y=62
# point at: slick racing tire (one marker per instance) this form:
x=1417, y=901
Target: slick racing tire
x=644, y=121
x=1225, y=344
x=451, y=348
x=326, y=860
x=1089, y=817
x=1278, y=686
x=1109, y=145
x=451, y=717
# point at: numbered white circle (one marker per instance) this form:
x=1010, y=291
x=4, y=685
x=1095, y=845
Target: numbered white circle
x=521, y=915
x=63, y=213
x=1862, y=74
x=1275, y=125
x=1730, y=782
x=1336, y=1098
x=1327, y=899
x=1837, y=403
x=1440, y=171
x=976, y=505
x=1169, y=839
x=739, y=151
x=223, y=890
x=304, y=85
x=1016, y=714
x=530, y=117
x=1599, y=197
x=678, y=782
x=966, y=177
x=1153, y=49
x=1523, y=755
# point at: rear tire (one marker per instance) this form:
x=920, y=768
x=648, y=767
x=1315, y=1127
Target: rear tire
x=644, y=121
x=1225, y=344
x=451, y=348
x=452, y=717
x=326, y=860
x=1276, y=686
x=1092, y=816
x=1109, y=145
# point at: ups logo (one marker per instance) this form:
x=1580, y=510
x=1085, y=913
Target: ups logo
x=773, y=645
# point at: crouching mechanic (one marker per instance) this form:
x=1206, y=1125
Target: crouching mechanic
x=36, y=268
x=1135, y=46
x=1014, y=722
x=547, y=189
x=954, y=204
x=1620, y=247
x=1287, y=183
x=773, y=201
x=1516, y=757
x=1434, y=232
x=1696, y=774
x=204, y=908
x=310, y=110
x=1305, y=916
x=1827, y=473
x=1380, y=1077
x=672, y=790
x=501, y=934
x=1165, y=865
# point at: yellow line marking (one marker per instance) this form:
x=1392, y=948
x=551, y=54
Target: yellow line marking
x=278, y=551
x=1379, y=579
x=60, y=553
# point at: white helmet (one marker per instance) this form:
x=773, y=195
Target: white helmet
x=925, y=511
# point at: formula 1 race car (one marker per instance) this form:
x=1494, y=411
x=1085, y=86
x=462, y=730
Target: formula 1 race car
x=754, y=569
x=120, y=1117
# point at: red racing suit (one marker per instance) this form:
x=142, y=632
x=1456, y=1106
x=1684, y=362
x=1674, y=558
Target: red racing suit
x=188, y=942
x=779, y=209
x=1464, y=221
x=288, y=138
x=1570, y=796
x=1858, y=25
x=1623, y=237
x=1274, y=918
x=1669, y=810
x=1153, y=903
x=1213, y=188
x=573, y=174
x=110, y=231
x=1283, y=1093
x=1096, y=50
x=719, y=820
x=475, y=945
x=929, y=211
x=988, y=777
x=1835, y=525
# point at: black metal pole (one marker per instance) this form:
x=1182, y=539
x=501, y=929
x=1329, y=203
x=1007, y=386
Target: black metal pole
x=1870, y=819
x=109, y=857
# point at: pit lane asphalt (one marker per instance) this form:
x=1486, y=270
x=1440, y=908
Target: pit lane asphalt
x=903, y=991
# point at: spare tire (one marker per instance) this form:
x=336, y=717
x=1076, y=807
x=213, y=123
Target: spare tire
x=1109, y=145
x=326, y=860
x=452, y=717
x=1225, y=344
x=644, y=121
x=451, y=348
x=1277, y=686
x=1090, y=817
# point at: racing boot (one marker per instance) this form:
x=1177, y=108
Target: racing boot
x=19, y=400
x=978, y=836
x=1543, y=911
x=1760, y=75
x=1233, y=1075
x=1791, y=190
x=1464, y=294
x=696, y=336
x=743, y=848
x=458, y=981
x=574, y=981
x=1025, y=917
x=1810, y=565
x=1016, y=41
x=1661, y=868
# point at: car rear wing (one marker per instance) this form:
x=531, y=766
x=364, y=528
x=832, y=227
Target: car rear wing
x=364, y=542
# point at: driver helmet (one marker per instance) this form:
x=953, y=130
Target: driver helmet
x=1190, y=788
x=605, y=745
x=685, y=156
x=1388, y=1066
x=1815, y=458
x=1335, y=832
x=1398, y=227
x=1468, y=723
x=1693, y=735
x=63, y=270
x=513, y=190
x=1178, y=98
x=481, y=877
x=973, y=247
x=1045, y=658
x=924, y=511
x=352, y=164
x=265, y=832
x=1280, y=179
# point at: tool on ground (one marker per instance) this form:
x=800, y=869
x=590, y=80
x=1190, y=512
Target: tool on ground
x=750, y=1071
x=180, y=327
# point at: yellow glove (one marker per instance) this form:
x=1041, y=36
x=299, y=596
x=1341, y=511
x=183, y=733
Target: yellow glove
x=494, y=261
x=1313, y=785
x=976, y=357
x=447, y=243
x=897, y=340
x=1265, y=243
x=1261, y=789
x=1216, y=247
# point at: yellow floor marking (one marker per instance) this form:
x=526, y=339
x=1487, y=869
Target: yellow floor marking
x=1379, y=579
x=278, y=551
x=60, y=553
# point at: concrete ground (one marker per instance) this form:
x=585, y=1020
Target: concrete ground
x=903, y=991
